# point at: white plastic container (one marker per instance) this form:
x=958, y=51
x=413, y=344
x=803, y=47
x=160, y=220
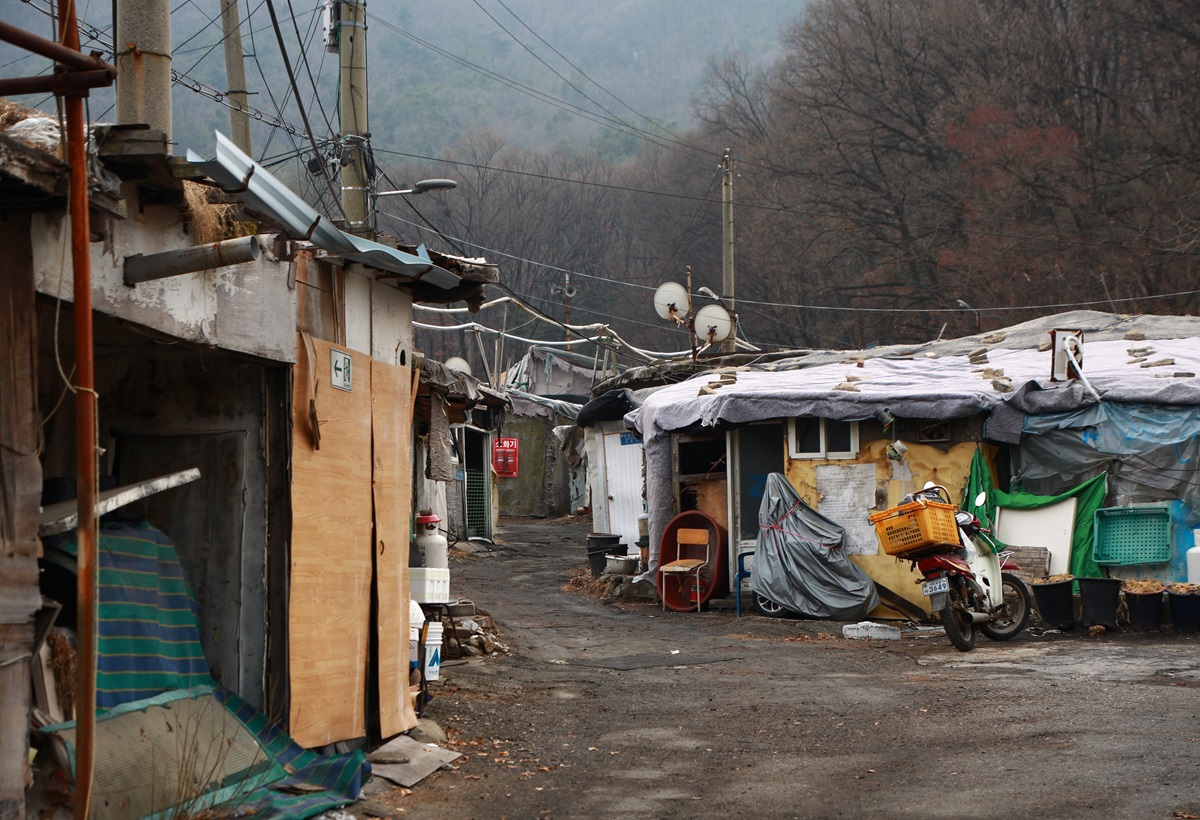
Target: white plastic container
x=433, y=650
x=416, y=620
x=429, y=585
x=1193, y=560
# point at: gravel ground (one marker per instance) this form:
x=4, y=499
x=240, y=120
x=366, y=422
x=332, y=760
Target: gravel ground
x=606, y=709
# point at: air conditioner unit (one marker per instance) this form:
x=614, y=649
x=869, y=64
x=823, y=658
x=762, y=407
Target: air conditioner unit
x=1067, y=362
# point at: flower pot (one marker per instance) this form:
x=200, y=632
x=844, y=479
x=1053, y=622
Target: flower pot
x=1055, y=604
x=1185, y=612
x=1100, y=597
x=1145, y=610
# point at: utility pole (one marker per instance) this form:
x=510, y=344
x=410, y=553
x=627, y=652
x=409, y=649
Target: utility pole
x=730, y=344
x=235, y=76
x=352, y=110
x=142, y=37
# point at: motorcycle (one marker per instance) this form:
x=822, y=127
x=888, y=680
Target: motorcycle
x=970, y=584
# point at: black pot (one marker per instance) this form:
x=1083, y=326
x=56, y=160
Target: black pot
x=596, y=562
x=602, y=540
x=1145, y=610
x=1055, y=604
x=1100, y=597
x=1185, y=612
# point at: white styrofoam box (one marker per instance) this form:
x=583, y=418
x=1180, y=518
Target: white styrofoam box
x=429, y=585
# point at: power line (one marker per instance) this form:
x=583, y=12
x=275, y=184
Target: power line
x=542, y=96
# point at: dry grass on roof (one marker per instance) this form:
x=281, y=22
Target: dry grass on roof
x=212, y=221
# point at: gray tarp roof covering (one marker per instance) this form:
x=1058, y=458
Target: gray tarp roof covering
x=241, y=176
x=936, y=380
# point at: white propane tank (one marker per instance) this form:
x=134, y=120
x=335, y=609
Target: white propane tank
x=430, y=542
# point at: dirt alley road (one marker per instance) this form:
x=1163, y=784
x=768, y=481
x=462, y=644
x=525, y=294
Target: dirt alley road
x=629, y=711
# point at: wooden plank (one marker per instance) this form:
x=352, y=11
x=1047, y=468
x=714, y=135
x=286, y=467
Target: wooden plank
x=329, y=606
x=20, y=493
x=391, y=421
x=62, y=516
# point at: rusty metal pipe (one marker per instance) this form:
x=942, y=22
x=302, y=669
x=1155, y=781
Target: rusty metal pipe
x=69, y=57
x=60, y=83
x=144, y=268
x=85, y=430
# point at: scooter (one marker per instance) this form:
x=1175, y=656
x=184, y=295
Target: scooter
x=969, y=583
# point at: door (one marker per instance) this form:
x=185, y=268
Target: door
x=758, y=450
x=622, y=462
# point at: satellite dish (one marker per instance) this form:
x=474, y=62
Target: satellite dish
x=712, y=324
x=668, y=294
x=458, y=364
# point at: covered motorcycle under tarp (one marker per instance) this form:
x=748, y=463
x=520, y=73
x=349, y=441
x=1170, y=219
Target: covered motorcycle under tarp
x=799, y=562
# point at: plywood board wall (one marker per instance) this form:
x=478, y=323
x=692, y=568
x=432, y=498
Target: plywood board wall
x=329, y=605
x=391, y=419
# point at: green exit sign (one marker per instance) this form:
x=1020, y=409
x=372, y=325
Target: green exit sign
x=341, y=366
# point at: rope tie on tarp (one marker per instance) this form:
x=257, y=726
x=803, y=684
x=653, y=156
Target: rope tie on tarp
x=777, y=526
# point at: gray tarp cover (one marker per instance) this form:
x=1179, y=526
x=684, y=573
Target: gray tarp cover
x=799, y=562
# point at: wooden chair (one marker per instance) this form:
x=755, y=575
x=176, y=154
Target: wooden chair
x=688, y=542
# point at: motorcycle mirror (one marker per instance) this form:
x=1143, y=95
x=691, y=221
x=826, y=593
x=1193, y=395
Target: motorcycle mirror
x=979, y=499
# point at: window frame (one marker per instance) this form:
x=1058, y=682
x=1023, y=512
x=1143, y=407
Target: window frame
x=823, y=454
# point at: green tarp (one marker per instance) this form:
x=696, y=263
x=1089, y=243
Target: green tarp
x=1089, y=497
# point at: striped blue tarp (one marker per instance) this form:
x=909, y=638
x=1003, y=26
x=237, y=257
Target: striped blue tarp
x=147, y=628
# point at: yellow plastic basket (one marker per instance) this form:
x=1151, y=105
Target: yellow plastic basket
x=915, y=527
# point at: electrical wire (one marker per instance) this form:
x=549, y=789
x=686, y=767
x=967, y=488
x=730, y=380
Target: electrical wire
x=612, y=115
x=584, y=74
x=299, y=103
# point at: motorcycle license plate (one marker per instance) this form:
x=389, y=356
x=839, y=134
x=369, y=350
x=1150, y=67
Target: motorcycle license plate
x=935, y=586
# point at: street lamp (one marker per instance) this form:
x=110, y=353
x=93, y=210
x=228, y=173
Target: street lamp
x=423, y=186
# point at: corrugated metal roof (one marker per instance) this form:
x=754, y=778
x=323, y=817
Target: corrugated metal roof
x=244, y=178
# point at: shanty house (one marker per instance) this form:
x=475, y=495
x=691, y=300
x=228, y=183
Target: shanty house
x=854, y=431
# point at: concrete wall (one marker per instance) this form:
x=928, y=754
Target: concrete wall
x=249, y=308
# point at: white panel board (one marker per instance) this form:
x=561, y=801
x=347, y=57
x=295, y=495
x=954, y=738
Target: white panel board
x=847, y=493
x=623, y=479
x=1051, y=527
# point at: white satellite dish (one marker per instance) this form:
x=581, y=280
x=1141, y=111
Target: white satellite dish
x=713, y=324
x=668, y=294
x=458, y=364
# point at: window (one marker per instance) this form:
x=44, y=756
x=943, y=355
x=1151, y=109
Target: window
x=812, y=437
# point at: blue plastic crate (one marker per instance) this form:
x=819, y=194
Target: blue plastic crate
x=1133, y=535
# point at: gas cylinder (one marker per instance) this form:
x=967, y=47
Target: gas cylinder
x=430, y=542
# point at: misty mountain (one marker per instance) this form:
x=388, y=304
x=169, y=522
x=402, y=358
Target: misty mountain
x=535, y=73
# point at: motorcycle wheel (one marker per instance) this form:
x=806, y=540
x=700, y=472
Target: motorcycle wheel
x=1014, y=616
x=959, y=628
x=765, y=606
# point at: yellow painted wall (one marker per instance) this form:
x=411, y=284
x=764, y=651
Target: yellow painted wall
x=894, y=480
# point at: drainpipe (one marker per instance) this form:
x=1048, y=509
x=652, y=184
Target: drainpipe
x=144, y=268
x=85, y=429
x=143, y=41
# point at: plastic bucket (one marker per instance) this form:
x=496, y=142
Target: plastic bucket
x=433, y=650
x=605, y=540
x=1100, y=597
x=1145, y=610
x=1055, y=604
x=1185, y=612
